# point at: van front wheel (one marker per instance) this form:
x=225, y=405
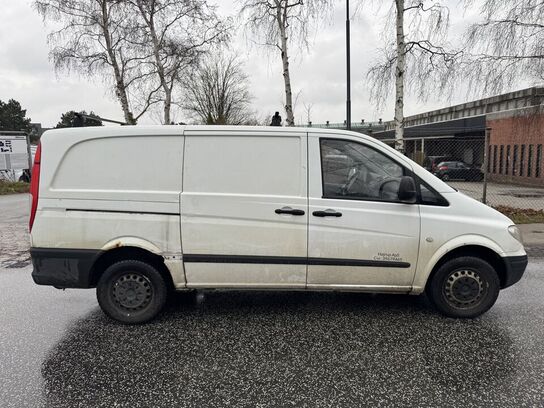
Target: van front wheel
x=464, y=287
x=131, y=292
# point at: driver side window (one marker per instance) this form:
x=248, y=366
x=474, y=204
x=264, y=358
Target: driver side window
x=353, y=170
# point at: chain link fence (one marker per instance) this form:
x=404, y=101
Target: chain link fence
x=508, y=178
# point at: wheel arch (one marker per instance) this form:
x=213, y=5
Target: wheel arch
x=130, y=241
x=118, y=253
x=475, y=250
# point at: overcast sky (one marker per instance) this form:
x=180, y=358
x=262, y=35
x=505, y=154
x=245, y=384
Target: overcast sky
x=318, y=76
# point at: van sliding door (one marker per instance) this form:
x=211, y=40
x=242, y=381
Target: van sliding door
x=244, y=209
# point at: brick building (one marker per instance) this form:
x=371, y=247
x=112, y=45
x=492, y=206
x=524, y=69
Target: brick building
x=515, y=146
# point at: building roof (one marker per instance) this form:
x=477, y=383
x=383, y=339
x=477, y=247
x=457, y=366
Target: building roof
x=513, y=100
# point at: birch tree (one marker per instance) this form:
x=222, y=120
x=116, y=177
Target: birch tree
x=176, y=33
x=417, y=59
x=282, y=24
x=506, y=46
x=94, y=39
x=218, y=93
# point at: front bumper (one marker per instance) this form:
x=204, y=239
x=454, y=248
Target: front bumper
x=515, y=268
x=63, y=268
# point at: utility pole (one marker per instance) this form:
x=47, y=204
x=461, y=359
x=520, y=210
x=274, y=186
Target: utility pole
x=348, y=71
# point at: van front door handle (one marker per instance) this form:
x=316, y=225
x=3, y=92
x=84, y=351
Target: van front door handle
x=327, y=213
x=289, y=210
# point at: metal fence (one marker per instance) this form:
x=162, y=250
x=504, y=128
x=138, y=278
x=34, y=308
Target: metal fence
x=506, y=177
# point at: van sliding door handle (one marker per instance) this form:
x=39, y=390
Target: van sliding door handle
x=289, y=210
x=327, y=213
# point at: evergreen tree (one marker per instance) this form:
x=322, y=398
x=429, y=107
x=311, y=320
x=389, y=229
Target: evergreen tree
x=13, y=117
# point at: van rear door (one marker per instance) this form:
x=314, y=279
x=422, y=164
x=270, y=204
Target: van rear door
x=244, y=209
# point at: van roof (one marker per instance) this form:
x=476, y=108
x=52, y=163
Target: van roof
x=157, y=130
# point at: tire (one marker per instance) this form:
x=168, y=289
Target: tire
x=131, y=292
x=464, y=287
x=445, y=177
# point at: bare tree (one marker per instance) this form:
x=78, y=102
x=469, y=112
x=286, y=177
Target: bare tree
x=417, y=59
x=508, y=45
x=176, y=33
x=218, y=94
x=280, y=24
x=94, y=38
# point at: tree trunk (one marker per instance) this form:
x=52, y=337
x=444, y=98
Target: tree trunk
x=167, y=107
x=120, y=88
x=149, y=20
x=285, y=60
x=399, y=78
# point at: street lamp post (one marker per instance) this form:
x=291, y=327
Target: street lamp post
x=348, y=71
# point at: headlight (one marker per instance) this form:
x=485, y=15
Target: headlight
x=514, y=231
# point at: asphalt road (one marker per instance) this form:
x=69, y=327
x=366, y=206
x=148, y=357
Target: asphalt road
x=14, y=241
x=14, y=208
x=268, y=349
x=262, y=349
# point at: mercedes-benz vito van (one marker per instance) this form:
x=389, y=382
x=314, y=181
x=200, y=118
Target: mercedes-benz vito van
x=137, y=211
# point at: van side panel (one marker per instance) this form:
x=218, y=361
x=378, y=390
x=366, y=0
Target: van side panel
x=106, y=230
x=126, y=168
x=100, y=193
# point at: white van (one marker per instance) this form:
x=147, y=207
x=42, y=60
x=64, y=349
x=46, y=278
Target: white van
x=136, y=211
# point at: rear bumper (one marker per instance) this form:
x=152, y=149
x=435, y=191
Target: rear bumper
x=515, y=268
x=63, y=268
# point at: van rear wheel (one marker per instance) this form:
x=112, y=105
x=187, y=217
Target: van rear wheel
x=464, y=287
x=131, y=291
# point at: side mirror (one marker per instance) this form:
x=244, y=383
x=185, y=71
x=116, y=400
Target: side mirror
x=407, y=190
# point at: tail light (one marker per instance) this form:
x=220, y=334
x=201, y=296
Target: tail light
x=35, y=185
x=443, y=168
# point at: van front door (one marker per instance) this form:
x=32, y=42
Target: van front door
x=360, y=235
x=244, y=209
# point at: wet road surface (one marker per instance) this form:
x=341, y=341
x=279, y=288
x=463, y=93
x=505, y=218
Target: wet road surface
x=14, y=240
x=270, y=350
x=15, y=208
